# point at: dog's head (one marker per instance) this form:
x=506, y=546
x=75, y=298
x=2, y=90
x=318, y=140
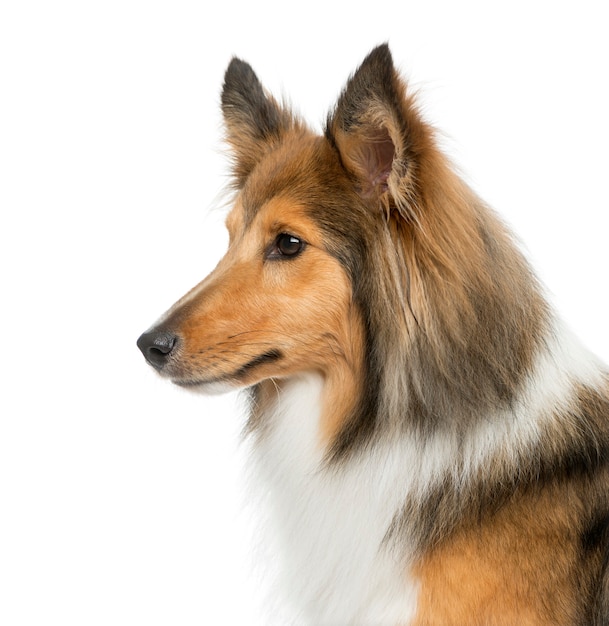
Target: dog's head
x=308, y=211
x=358, y=255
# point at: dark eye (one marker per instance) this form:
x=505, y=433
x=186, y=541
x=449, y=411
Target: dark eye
x=286, y=246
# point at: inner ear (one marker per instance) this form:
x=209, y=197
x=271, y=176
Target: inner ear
x=377, y=159
x=370, y=127
x=369, y=155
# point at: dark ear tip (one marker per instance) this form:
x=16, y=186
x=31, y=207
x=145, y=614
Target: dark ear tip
x=240, y=72
x=238, y=67
x=379, y=59
x=382, y=52
x=375, y=77
x=239, y=75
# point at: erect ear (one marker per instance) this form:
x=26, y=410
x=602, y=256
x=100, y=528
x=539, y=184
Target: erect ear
x=253, y=119
x=377, y=131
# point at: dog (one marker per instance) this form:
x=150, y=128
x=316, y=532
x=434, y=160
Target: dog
x=433, y=441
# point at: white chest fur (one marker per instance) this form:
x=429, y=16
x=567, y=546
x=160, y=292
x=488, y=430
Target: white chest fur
x=330, y=525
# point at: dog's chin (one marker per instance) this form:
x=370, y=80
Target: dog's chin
x=208, y=388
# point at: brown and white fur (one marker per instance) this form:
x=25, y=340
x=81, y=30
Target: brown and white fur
x=435, y=444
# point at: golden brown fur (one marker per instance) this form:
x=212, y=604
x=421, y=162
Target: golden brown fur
x=406, y=295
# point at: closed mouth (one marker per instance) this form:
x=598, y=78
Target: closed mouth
x=236, y=376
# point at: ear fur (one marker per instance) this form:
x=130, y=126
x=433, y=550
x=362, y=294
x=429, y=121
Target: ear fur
x=378, y=133
x=253, y=119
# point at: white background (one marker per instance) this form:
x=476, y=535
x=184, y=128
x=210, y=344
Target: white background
x=120, y=494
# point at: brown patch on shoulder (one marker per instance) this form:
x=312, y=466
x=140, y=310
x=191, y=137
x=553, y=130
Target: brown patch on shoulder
x=521, y=566
x=535, y=552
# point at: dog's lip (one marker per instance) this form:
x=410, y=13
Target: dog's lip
x=233, y=378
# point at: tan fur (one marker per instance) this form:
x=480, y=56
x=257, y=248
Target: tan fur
x=516, y=569
x=303, y=309
x=519, y=561
x=427, y=327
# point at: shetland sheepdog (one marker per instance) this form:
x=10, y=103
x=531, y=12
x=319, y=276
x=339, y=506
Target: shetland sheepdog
x=433, y=440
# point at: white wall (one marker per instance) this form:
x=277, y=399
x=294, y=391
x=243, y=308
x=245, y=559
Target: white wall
x=119, y=494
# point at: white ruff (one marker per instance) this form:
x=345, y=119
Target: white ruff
x=328, y=526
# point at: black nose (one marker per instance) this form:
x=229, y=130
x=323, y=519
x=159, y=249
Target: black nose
x=156, y=346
